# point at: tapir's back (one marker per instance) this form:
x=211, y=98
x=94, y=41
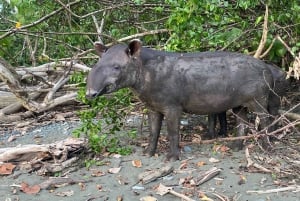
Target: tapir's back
x=207, y=82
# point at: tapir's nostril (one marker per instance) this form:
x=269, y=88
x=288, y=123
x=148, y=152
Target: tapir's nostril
x=90, y=93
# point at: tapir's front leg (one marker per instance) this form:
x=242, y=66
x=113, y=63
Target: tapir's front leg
x=155, y=121
x=212, y=119
x=172, y=119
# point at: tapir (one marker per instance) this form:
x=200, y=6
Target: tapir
x=171, y=83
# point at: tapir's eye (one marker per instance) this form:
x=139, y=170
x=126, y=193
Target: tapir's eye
x=117, y=68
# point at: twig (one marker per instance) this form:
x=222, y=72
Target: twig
x=221, y=197
x=152, y=32
x=287, y=47
x=289, y=188
x=99, y=28
x=257, y=135
x=251, y=163
x=162, y=190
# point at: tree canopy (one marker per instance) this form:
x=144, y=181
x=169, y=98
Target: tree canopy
x=34, y=32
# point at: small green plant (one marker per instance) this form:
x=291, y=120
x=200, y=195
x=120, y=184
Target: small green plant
x=101, y=133
x=90, y=162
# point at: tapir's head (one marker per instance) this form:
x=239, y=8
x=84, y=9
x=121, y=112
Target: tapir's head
x=116, y=68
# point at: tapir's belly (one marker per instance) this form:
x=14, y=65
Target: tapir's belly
x=208, y=104
x=201, y=98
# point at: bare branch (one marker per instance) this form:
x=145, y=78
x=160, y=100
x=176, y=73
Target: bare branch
x=31, y=50
x=264, y=35
x=152, y=32
x=55, y=102
x=52, y=66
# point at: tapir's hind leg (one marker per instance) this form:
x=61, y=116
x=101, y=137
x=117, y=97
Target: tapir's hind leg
x=211, y=124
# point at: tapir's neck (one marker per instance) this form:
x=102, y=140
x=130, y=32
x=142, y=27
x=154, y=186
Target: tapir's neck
x=145, y=68
x=148, y=54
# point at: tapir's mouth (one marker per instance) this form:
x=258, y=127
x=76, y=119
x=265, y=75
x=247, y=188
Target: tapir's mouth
x=106, y=90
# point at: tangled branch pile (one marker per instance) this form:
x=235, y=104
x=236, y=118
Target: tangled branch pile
x=40, y=94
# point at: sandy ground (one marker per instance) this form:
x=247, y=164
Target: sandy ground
x=124, y=185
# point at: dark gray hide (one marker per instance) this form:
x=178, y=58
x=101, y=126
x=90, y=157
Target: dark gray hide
x=172, y=83
x=279, y=89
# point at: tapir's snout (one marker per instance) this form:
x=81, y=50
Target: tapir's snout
x=91, y=93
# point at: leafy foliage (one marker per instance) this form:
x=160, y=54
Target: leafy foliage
x=232, y=25
x=102, y=133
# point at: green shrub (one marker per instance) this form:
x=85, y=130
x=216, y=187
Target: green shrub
x=103, y=133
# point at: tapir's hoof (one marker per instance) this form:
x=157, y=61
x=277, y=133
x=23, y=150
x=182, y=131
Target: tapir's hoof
x=172, y=157
x=149, y=152
x=222, y=134
x=208, y=136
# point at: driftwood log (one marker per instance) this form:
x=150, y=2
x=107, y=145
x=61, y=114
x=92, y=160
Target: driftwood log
x=48, y=158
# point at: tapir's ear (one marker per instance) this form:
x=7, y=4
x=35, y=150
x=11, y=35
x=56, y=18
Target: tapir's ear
x=134, y=48
x=100, y=48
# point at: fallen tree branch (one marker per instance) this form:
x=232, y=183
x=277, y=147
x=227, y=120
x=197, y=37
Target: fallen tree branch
x=63, y=80
x=57, y=101
x=207, y=175
x=33, y=152
x=295, y=188
x=10, y=77
x=52, y=66
x=57, y=181
x=152, y=175
x=28, y=101
x=257, y=135
x=14, y=108
x=57, y=167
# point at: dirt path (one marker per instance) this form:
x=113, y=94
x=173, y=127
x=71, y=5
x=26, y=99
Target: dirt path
x=234, y=182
